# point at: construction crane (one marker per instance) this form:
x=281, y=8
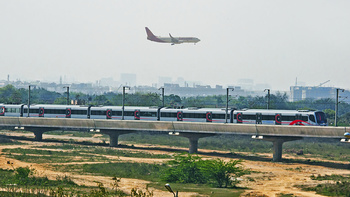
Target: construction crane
x=321, y=84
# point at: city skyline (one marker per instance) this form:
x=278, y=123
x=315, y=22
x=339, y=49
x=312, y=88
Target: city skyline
x=245, y=83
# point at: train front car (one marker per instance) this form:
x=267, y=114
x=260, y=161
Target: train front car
x=280, y=117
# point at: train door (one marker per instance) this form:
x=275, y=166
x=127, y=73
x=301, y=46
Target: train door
x=109, y=114
x=232, y=115
x=258, y=118
x=137, y=114
x=179, y=116
x=21, y=112
x=89, y=112
x=41, y=112
x=209, y=116
x=158, y=114
x=2, y=110
x=278, y=119
x=239, y=117
x=68, y=112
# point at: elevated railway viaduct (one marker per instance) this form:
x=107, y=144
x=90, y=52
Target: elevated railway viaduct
x=277, y=134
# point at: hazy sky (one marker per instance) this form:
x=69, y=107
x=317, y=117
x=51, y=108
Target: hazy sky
x=270, y=41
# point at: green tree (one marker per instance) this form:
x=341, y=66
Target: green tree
x=185, y=168
x=223, y=173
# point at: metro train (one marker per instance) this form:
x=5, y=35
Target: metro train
x=245, y=116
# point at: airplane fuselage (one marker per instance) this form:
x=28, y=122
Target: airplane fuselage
x=172, y=40
x=180, y=40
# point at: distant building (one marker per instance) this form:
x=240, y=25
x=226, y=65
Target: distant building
x=128, y=79
x=164, y=80
x=298, y=93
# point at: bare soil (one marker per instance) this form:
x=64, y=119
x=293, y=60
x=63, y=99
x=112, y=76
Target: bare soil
x=268, y=178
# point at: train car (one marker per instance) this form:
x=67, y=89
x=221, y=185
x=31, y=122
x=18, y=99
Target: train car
x=130, y=113
x=11, y=110
x=43, y=110
x=280, y=117
x=194, y=114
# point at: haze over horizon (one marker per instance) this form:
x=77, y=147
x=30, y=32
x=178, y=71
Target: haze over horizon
x=273, y=42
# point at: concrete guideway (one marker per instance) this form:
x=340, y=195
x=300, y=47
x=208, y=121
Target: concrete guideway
x=277, y=134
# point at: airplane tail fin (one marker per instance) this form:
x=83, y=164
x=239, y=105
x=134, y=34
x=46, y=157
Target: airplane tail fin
x=150, y=35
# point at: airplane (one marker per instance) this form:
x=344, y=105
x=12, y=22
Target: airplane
x=171, y=39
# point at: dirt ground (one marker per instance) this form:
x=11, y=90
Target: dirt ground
x=268, y=179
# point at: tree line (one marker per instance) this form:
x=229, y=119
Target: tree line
x=11, y=95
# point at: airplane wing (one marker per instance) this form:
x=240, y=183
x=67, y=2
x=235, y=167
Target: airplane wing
x=174, y=40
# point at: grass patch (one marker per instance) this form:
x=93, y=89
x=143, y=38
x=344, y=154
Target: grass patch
x=333, y=177
x=48, y=156
x=24, y=177
x=73, y=133
x=339, y=185
x=17, y=193
x=150, y=172
x=21, y=182
x=106, y=151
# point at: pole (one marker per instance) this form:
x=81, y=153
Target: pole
x=123, y=101
x=336, y=106
x=162, y=96
x=28, y=99
x=227, y=91
x=268, y=98
x=226, y=105
x=67, y=94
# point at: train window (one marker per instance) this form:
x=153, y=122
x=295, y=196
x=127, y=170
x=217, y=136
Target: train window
x=12, y=110
x=128, y=113
x=220, y=116
x=193, y=115
x=268, y=117
x=33, y=110
x=116, y=113
x=148, y=114
x=99, y=113
x=304, y=118
x=288, y=118
x=321, y=117
x=171, y=115
x=55, y=111
x=249, y=117
x=79, y=112
x=312, y=118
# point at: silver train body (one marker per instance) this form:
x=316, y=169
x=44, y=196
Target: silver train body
x=248, y=116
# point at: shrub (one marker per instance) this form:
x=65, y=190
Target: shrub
x=192, y=169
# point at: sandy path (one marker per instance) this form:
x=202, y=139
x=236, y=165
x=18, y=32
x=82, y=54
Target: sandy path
x=272, y=179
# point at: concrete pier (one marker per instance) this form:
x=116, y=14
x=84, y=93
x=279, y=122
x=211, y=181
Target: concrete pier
x=277, y=144
x=193, y=139
x=38, y=132
x=114, y=135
